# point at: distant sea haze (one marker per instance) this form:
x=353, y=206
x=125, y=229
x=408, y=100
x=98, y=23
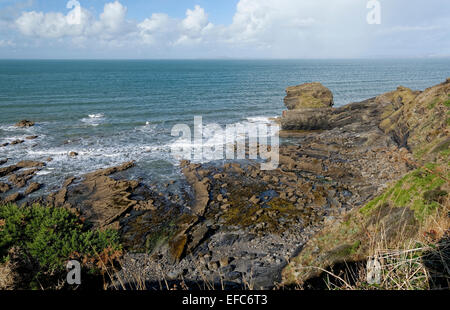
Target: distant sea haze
x=115, y=111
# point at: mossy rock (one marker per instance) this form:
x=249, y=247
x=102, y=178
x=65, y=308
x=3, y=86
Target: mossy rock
x=263, y=217
x=309, y=95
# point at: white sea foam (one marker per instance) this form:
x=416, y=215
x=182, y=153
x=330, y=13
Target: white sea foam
x=94, y=119
x=260, y=119
x=144, y=144
x=147, y=128
x=99, y=115
x=212, y=137
x=8, y=128
x=45, y=172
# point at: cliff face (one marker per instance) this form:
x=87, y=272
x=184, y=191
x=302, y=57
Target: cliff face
x=419, y=120
x=415, y=206
x=415, y=120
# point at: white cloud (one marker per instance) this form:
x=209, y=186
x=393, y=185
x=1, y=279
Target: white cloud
x=53, y=25
x=156, y=29
x=79, y=22
x=264, y=28
x=112, y=20
x=7, y=43
x=195, y=20
x=290, y=28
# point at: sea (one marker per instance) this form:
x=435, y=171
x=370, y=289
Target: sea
x=113, y=111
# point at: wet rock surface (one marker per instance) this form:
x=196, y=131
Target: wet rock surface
x=18, y=141
x=24, y=124
x=32, y=188
x=16, y=177
x=4, y=187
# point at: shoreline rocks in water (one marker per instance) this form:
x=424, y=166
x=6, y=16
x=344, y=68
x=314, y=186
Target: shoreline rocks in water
x=33, y=187
x=24, y=124
x=4, y=187
x=18, y=141
x=18, y=178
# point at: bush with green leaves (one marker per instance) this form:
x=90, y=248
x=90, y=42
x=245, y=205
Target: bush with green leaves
x=50, y=236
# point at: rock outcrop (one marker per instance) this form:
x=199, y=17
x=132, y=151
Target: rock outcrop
x=33, y=187
x=201, y=187
x=306, y=96
x=98, y=198
x=13, y=198
x=309, y=106
x=18, y=176
x=24, y=124
x=417, y=122
x=4, y=187
x=20, y=180
x=30, y=164
x=18, y=141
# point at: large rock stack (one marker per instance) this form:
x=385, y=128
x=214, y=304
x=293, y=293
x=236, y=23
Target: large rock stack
x=309, y=106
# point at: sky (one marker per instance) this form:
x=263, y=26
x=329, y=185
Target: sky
x=192, y=29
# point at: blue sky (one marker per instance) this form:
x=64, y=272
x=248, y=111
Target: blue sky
x=223, y=28
x=221, y=11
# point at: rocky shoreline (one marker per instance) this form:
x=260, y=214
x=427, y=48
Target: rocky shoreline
x=234, y=225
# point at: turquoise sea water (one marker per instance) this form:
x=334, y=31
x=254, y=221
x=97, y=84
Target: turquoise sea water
x=113, y=111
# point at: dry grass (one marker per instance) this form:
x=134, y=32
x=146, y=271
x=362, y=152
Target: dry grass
x=420, y=263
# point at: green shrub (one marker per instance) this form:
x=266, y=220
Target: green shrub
x=50, y=236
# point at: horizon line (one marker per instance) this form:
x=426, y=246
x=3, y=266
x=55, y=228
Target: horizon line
x=239, y=58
